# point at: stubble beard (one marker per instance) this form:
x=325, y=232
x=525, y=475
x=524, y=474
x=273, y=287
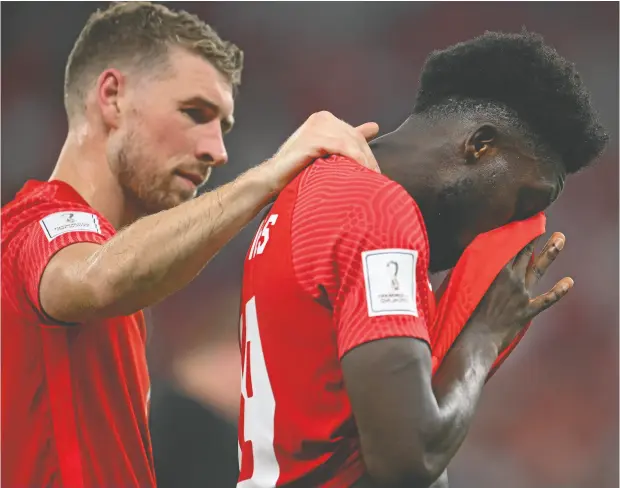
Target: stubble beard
x=145, y=190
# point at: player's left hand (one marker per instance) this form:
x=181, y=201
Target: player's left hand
x=510, y=302
x=537, y=267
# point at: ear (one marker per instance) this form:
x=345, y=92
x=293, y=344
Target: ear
x=110, y=90
x=483, y=140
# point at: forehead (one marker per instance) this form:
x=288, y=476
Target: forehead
x=192, y=76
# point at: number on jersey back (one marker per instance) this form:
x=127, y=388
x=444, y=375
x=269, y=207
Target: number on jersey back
x=257, y=408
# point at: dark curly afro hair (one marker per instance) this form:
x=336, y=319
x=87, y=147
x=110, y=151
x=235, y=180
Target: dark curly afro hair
x=522, y=74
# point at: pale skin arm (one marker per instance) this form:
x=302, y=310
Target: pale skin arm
x=160, y=254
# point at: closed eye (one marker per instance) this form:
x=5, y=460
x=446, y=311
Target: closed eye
x=197, y=115
x=202, y=111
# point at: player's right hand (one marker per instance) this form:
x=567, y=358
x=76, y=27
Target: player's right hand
x=322, y=134
x=509, y=303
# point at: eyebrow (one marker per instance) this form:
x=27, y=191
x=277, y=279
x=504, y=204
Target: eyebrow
x=227, y=122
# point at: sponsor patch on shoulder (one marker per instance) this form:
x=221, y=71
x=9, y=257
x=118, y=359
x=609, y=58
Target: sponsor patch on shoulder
x=390, y=278
x=60, y=223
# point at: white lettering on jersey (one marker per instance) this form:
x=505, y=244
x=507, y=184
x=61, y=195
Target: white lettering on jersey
x=262, y=236
x=60, y=223
x=259, y=408
x=390, y=278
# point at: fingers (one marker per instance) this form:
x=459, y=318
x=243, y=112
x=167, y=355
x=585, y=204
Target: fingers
x=371, y=162
x=522, y=259
x=369, y=130
x=546, y=300
x=353, y=143
x=324, y=133
x=540, y=265
x=355, y=148
x=320, y=135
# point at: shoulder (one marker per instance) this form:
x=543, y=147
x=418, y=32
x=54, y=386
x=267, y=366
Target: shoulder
x=52, y=208
x=365, y=212
x=341, y=191
x=338, y=177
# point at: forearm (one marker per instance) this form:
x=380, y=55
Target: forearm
x=162, y=253
x=457, y=386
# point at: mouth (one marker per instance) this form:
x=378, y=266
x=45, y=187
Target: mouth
x=195, y=178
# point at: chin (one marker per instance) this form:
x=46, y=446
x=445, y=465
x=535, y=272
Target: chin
x=180, y=199
x=177, y=197
x=169, y=201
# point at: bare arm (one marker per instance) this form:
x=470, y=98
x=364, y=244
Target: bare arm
x=410, y=428
x=162, y=253
x=150, y=259
x=367, y=482
x=411, y=425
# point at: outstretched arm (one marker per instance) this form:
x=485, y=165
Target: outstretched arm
x=162, y=253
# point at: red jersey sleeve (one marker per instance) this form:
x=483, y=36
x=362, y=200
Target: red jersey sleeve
x=362, y=242
x=43, y=238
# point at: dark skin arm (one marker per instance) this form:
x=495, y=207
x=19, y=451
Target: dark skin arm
x=367, y=482
x=411, y=425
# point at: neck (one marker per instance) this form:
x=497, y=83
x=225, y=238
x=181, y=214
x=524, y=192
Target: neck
x=84, y=166
x=403, y=156
x=413, y=156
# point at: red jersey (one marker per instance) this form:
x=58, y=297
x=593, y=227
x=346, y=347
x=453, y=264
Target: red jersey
x=341, y=259
x=74, y=397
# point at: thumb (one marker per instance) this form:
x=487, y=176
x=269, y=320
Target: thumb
x=369, y=130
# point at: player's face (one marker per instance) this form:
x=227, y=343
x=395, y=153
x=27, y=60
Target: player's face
x=171, y=133
x=486, y=198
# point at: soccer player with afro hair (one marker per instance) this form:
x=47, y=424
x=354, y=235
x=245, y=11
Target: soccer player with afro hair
x=338, y=386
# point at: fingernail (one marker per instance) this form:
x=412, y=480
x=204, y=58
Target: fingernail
x=559, y=244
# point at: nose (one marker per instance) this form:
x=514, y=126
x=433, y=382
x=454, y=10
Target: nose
x=210, y=146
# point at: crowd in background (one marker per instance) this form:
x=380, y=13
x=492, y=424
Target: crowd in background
x=549, y=418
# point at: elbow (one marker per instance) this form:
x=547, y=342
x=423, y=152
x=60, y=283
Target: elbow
x=69, y=297
x=99, y=298
x=392, y=475
x=404, y=467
